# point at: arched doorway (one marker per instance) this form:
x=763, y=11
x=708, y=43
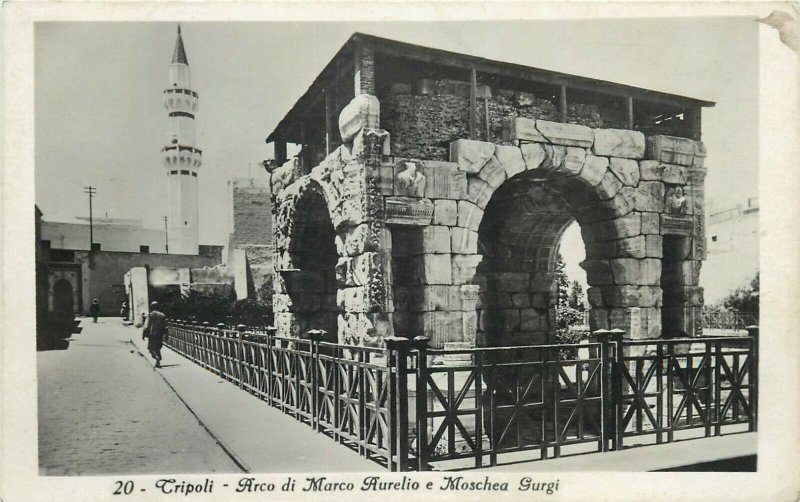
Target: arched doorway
x=308, y=280
x=518, y=239
x=63, y=302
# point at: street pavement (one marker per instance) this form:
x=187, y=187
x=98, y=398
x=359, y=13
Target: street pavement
x=103, y=410
x=258, y=436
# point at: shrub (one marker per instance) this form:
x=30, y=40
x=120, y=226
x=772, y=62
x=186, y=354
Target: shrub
x=251, y=313
x=744, y=299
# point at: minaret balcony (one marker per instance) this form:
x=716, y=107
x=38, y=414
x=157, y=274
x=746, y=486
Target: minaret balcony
x=178, y=156
x=182, y=91
x=180, y=100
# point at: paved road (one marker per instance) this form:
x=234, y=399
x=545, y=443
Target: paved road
x=261, y=437
x=103, y=409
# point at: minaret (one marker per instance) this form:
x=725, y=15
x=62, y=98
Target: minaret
x=180, y=156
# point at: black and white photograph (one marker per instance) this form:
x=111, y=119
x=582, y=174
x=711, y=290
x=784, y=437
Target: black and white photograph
x=427, y=258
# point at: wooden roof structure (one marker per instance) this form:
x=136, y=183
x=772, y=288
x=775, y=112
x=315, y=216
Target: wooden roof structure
x=343, y=61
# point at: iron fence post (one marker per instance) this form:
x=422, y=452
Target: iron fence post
x=295, y=349
x=606, y=405
x=660, y=391
x=205, y=349
x=218, y=349
x=709, y=388
x=185, y=341
x=616, y=385
x=752, y=331
x=718, y=360
x=671, y=363
x=269, y=382
x=240, y=352
x=491, y=385
x=316, y=336
x=421, y=346
x=362, y=408
x=175, y=339
x=337, y=380
x=396, y=358
x=479, y=389
x=195, y=326
x=553, y=369
x=199, y=341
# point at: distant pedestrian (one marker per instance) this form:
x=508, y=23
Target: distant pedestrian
x=123, y=311
x=94, y=309
x=155, y=330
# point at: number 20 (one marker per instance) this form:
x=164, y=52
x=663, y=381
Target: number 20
x=124, y=488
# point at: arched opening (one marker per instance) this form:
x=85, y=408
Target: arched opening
x=311, y=280
x=63, y=302
x=519, y=240
x=524, y=295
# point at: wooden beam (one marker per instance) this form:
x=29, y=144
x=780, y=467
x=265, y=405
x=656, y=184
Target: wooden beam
x=328, y=122
x=357, y=69
x=364, y=73
x=280, y=152
x=563, y=103
x=473, y=107
x=304, y=161
x=486, y=112
x=630, y=112
x=695, y=122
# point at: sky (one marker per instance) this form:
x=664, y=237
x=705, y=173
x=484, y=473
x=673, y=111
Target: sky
x=100, y=121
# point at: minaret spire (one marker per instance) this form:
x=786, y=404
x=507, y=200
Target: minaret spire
x=179, y=56
x=181, y=157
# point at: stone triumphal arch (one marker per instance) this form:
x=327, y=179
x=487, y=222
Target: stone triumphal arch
x=437, y=205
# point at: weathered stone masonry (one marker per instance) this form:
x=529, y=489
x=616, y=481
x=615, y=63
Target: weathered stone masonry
x=462, y=250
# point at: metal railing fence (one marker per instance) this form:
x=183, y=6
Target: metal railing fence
x=408, y=406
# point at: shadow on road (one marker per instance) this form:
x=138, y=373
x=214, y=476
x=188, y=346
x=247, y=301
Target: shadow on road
x=56, y=334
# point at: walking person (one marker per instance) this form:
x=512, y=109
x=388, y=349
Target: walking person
x=155, y=330
x=94, y=309
x=123, y=311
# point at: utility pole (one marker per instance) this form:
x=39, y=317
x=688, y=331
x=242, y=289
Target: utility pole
x=166, y=235
x=91, y=191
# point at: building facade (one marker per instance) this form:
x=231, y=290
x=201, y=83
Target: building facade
x=249, y=253
x=107, y=235
x=733, y=249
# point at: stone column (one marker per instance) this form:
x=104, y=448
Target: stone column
x=623, y=267
x=469, y=316
x=363, y=271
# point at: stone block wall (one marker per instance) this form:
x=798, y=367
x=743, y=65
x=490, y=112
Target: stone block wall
x=251, y=214
x=249, y=249
x=423, y=125
x=626, y=193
